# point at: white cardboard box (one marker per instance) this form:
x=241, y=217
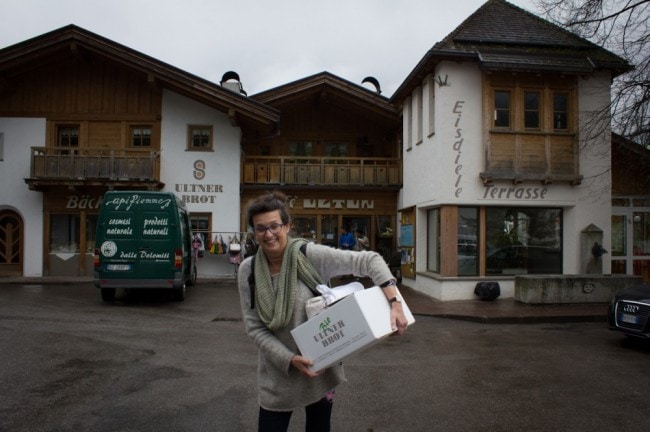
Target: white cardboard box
x=348, y=326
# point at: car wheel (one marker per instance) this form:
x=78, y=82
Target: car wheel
x=108, y=294
x=179, y=293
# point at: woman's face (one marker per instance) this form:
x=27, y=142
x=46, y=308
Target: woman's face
x=270, y=232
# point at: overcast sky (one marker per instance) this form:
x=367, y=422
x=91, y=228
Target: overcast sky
x=267, y=42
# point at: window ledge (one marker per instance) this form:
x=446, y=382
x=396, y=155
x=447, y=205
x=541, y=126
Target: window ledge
x=516, y=178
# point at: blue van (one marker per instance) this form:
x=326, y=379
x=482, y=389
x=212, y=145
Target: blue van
x=143, y=240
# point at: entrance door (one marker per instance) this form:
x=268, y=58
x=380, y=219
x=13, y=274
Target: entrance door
x=631, y=242
x=11, y=244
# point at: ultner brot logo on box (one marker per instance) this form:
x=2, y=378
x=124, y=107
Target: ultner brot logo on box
x=330, y=332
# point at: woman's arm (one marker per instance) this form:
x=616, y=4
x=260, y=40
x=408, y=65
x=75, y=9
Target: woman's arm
x=330, y=262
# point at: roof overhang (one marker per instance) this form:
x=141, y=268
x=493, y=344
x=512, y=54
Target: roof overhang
x=33, y=53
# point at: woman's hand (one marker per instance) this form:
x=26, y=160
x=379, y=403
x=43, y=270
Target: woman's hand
x=302, y=364
x=398, y=320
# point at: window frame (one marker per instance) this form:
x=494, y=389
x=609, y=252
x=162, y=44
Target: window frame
x=132, y=137
x=60, y=128
x=496, y=110
x=209, y=146
x=538, y=110
x=566, y=113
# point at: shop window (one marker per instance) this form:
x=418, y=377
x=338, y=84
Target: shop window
x=201, y=224
x=91, y=229
x=64, y=233
x=141, y=136
x=641, y=234
x=433, y=240
x=467, y=247
x=329, y=230
x=199, y=138
x=619, y=236
x=523, y=241
x=385, y=234
x=304, y=227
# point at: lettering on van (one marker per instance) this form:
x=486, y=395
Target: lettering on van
x=158, y=256
x=125, y=203
x=155, y=226
x=145, y=255
x=119, y=227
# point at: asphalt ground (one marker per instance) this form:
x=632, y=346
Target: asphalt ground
x=148, y=364
x=501, y=310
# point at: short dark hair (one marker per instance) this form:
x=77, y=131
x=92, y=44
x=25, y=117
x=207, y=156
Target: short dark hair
x=268, y=202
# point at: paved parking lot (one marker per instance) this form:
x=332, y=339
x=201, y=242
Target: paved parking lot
x=146, y=363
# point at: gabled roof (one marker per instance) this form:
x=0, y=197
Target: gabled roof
x=325, y=83
x=38, y=51
x=501, y=36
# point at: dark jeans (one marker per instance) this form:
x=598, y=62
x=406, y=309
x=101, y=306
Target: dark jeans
x=317, y=414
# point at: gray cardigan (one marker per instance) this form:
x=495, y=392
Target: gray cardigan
x=281, y=387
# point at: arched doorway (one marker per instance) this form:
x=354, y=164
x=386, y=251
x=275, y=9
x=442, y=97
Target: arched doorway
x=11, y=244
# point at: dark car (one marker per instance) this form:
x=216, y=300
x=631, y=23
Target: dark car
x=630, y=310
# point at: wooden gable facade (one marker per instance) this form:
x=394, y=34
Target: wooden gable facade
x=336, y=153
x=95, y=113
x=103, y=106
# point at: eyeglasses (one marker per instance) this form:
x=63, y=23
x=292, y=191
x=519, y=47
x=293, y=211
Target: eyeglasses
x=273, y=228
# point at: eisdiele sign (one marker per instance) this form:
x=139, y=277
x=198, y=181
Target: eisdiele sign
x=348, y=326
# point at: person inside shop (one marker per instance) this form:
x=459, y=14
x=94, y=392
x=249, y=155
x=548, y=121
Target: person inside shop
x=346, y=239
x=274, y=287
x=362, y=241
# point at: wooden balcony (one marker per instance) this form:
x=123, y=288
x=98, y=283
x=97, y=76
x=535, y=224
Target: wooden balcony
x=53, y=166
x=326, y=171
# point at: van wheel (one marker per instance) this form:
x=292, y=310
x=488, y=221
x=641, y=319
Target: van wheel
x=179, y=293
x=108, y=294
x=192, y=280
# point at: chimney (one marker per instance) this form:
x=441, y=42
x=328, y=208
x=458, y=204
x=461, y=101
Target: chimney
x=230, y=81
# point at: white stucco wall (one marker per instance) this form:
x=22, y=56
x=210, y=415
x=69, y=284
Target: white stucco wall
x=211, y=187
x=19, y=135
x=445, y=167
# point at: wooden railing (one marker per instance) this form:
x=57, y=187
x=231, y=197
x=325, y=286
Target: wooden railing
x=291, y=170
x=520, y=156
x=94, y=163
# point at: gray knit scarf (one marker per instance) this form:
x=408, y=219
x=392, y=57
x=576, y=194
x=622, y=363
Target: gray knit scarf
x=275, y=309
